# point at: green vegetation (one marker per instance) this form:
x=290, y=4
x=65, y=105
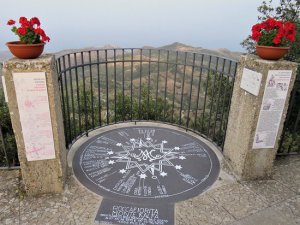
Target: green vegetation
x=8, y=136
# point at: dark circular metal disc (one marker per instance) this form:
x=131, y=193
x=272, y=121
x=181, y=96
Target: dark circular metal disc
x=146, y=165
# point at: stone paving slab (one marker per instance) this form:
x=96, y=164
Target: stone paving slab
x=9, y=199
x=287, y=172
x=202, y=210
x=84, y=204
x=269, y=202
x=238, y=200
x=46, y=209
x=290, y=209
x=269, y=216
x=271, y=191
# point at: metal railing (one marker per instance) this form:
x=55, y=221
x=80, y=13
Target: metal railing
x=103, y=87
x=8, y=148
x=290, y=138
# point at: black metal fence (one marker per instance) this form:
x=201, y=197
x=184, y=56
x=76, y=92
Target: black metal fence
x=290, y=139
x=103, y=87
x=8, y=149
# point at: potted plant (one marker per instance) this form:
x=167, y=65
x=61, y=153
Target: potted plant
x=272, y=38
x=32, y=38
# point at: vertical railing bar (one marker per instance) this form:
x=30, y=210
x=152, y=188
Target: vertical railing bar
x=206, y=88
x=219, y=95
x=92, y=91
x=157, y=81
x=140, y=89
x=106, y=74
x=63, y=102
x=4, y=147
x=182, y=88
x=72, y=98
x=175, y=77
x=78, y=93
x=289, y=113
x=84, y=95
x=99, y=90
x=166, y=82
x=131, y=88
x=213, y=96
x=223, y=104
x=148, y=93
x=115, y=85
x=229, y=103
x=191, y=90
x=123, y=85
x=199, y=88
x=294, y=132
x=67, y=96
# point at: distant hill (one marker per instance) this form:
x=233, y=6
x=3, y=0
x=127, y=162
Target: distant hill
x=223, y=52
x=68, y=51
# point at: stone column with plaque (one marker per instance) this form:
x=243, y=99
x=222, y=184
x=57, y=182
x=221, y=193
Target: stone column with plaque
x=35, y=108
x=258, y=109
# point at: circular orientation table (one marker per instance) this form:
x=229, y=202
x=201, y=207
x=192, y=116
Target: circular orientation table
x=143, y=164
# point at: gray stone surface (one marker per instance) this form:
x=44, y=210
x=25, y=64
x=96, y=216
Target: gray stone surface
x=44, y=176
x=202, y=210
x=267, y=202
x=287, y=172
x=246, y=162
x=271, y=190
x=238, y=200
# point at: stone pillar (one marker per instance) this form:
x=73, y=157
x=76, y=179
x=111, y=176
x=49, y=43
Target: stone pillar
x=251, y=160
x=42, y=172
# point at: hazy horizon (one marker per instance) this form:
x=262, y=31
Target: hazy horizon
x=135, y=23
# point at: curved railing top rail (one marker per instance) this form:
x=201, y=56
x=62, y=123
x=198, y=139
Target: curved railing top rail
x=163, y=56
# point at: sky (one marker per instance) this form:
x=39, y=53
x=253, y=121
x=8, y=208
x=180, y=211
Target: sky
x=135, y=23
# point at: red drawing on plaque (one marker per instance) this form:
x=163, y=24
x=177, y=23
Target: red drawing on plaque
x=35, y=150
x=28, y=104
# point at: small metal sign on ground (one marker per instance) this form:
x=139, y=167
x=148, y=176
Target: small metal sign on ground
x=144, y=168
x=113, y=212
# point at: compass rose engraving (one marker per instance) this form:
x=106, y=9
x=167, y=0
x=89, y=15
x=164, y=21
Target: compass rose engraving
x=146, y=156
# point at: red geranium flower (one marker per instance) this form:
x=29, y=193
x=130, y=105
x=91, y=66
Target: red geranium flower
x=45, y=38
x=23, y=20
x=269, y=24
x=35, y=21
x=21, y=30
x=11, y=22
x=39, y=31
x=29, y=31
x=273, y=32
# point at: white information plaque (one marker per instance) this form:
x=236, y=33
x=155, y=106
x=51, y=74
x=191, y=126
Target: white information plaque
x=33, y=103
x=273, y=102
x=251, y=81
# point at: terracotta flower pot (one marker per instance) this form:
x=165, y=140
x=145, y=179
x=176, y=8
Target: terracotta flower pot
x=25, y=51
x=270, y=52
